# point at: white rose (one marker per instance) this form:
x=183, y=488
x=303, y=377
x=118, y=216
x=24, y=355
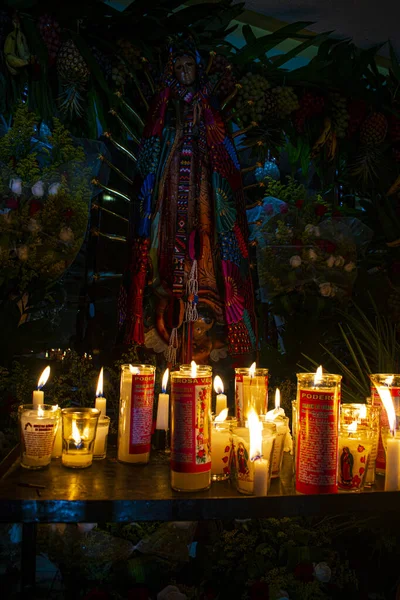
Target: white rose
x=53, y=188
x=339, y=261
x=33, y=226
x=323, y=572
x=349, y=267
x=67, y=235
x=312, y=255
x=330, y=261
x=16, y=186
x=171, y=592
x=38, y=189
x=317, y=232
x=325, y=289
x=295, y=261
x=22, y=253
x=309, y=229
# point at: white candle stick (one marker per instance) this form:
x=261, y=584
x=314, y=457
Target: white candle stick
x=101, y=402
x=221, y=401
x=38, y=395
x=392, y=475
x=163, y=405
x=260, y=465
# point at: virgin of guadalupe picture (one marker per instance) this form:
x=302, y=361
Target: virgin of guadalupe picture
x=346, y=466
x=188, y=291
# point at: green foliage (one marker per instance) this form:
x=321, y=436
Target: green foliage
x=63, y=148
x=287, y=192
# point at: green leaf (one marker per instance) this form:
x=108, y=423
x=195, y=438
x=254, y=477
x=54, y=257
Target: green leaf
x=395, y=66
x=265, y=43
x=314, y=41
x=248, y=34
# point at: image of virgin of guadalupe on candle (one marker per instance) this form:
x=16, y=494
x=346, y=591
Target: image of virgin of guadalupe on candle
x=188, y=290
x=346, y=466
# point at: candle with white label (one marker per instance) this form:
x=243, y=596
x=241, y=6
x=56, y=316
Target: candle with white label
x=221, y=401
x=38, y=425
x=38, y=395
x=261, y=465
x=392, y=474
x=163, y=405
x=101, y=402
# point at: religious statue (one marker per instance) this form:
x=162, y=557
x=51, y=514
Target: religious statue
x=190, y=290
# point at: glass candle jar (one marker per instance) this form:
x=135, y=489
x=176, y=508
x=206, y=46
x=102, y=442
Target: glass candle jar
x=135, y=413
x=366, y=416
x=221, y=448
x=392, y=382
x=282, y=429
x=354, y=450
x=191, y=428
x=79, y=427
x=242, y=466
x=295, y=417
x=100, y=443
x=318, y=397
x=38, y=426
x=251, y=391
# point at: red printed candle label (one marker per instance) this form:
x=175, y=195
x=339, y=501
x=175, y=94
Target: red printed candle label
x=317, y=442
x=141, y=414
x=191, y=432
x=239, y=396
x=384, y=422
x=38, y=438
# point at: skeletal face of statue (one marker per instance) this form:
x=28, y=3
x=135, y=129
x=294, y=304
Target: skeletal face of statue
x=185, y=69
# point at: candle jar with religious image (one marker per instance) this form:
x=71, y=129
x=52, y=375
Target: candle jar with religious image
x=251, y=391
x=79, y=426
x=135, y=413
x=354, y=450
x=221, y=446
x=38, y=426
x=242, y=466
x=191, y=389
x=365, y=416
x=318, y=398
x=392, y=382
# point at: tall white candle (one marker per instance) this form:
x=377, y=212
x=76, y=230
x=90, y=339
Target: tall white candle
x=260, y=477
x=392, y=474
x=101, y=402
x=221, y=402
x=38, y=395
x=57, y=448
x=163, y=405
x=260, y=465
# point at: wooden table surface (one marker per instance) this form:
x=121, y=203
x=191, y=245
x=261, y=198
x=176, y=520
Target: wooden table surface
x=115, y=492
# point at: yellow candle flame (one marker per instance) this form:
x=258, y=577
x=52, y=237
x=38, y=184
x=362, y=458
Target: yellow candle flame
x=277, y=398
x=40, y=411
x=99, y=391
x=252, y=370
x=165, y=381
x=352, y=428
x=389, y=380
x=134, y=370
x=318, y=376
x=255, y=428
x=43, y=378
x=218, y=385
x=76, y=436
x=222, y=416
x=193, y=369
x=363, y=411
x=387, y=402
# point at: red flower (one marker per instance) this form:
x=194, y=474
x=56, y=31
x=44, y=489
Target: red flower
x=330, y=247
x=12, y=203
x=283, y=209
x=227, y=448
x=336, y=213
x=362, y=459
x=304, y=572
x=299, y=203
x=226, y=470
x=356, y=481
x=201, y=453
x=320, y=210
x=97, y=594
x=225, y=459
x=34, y=207
x=297, y=243
x=361, y=471
x=68, y=213
x=360, y=448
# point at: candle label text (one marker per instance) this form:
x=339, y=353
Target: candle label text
x=384, y=421
x=317, y=442
x=191, y=426
x=141, y=417
x=38, y=438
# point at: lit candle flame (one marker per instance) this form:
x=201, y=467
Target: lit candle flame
x=218, y=385
x=99, y=391
x=76, y=436
x=277, y=398
x=352, y=428
x=43, y=378
x=222, y=416
x=387, y=402
x=318, y=376
x=252, y=370
x=193, y=369
x=255, y=428
x=165, y=381
x=389, y=380
x=363, y=411
x=40, y=411
x=134, y=370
